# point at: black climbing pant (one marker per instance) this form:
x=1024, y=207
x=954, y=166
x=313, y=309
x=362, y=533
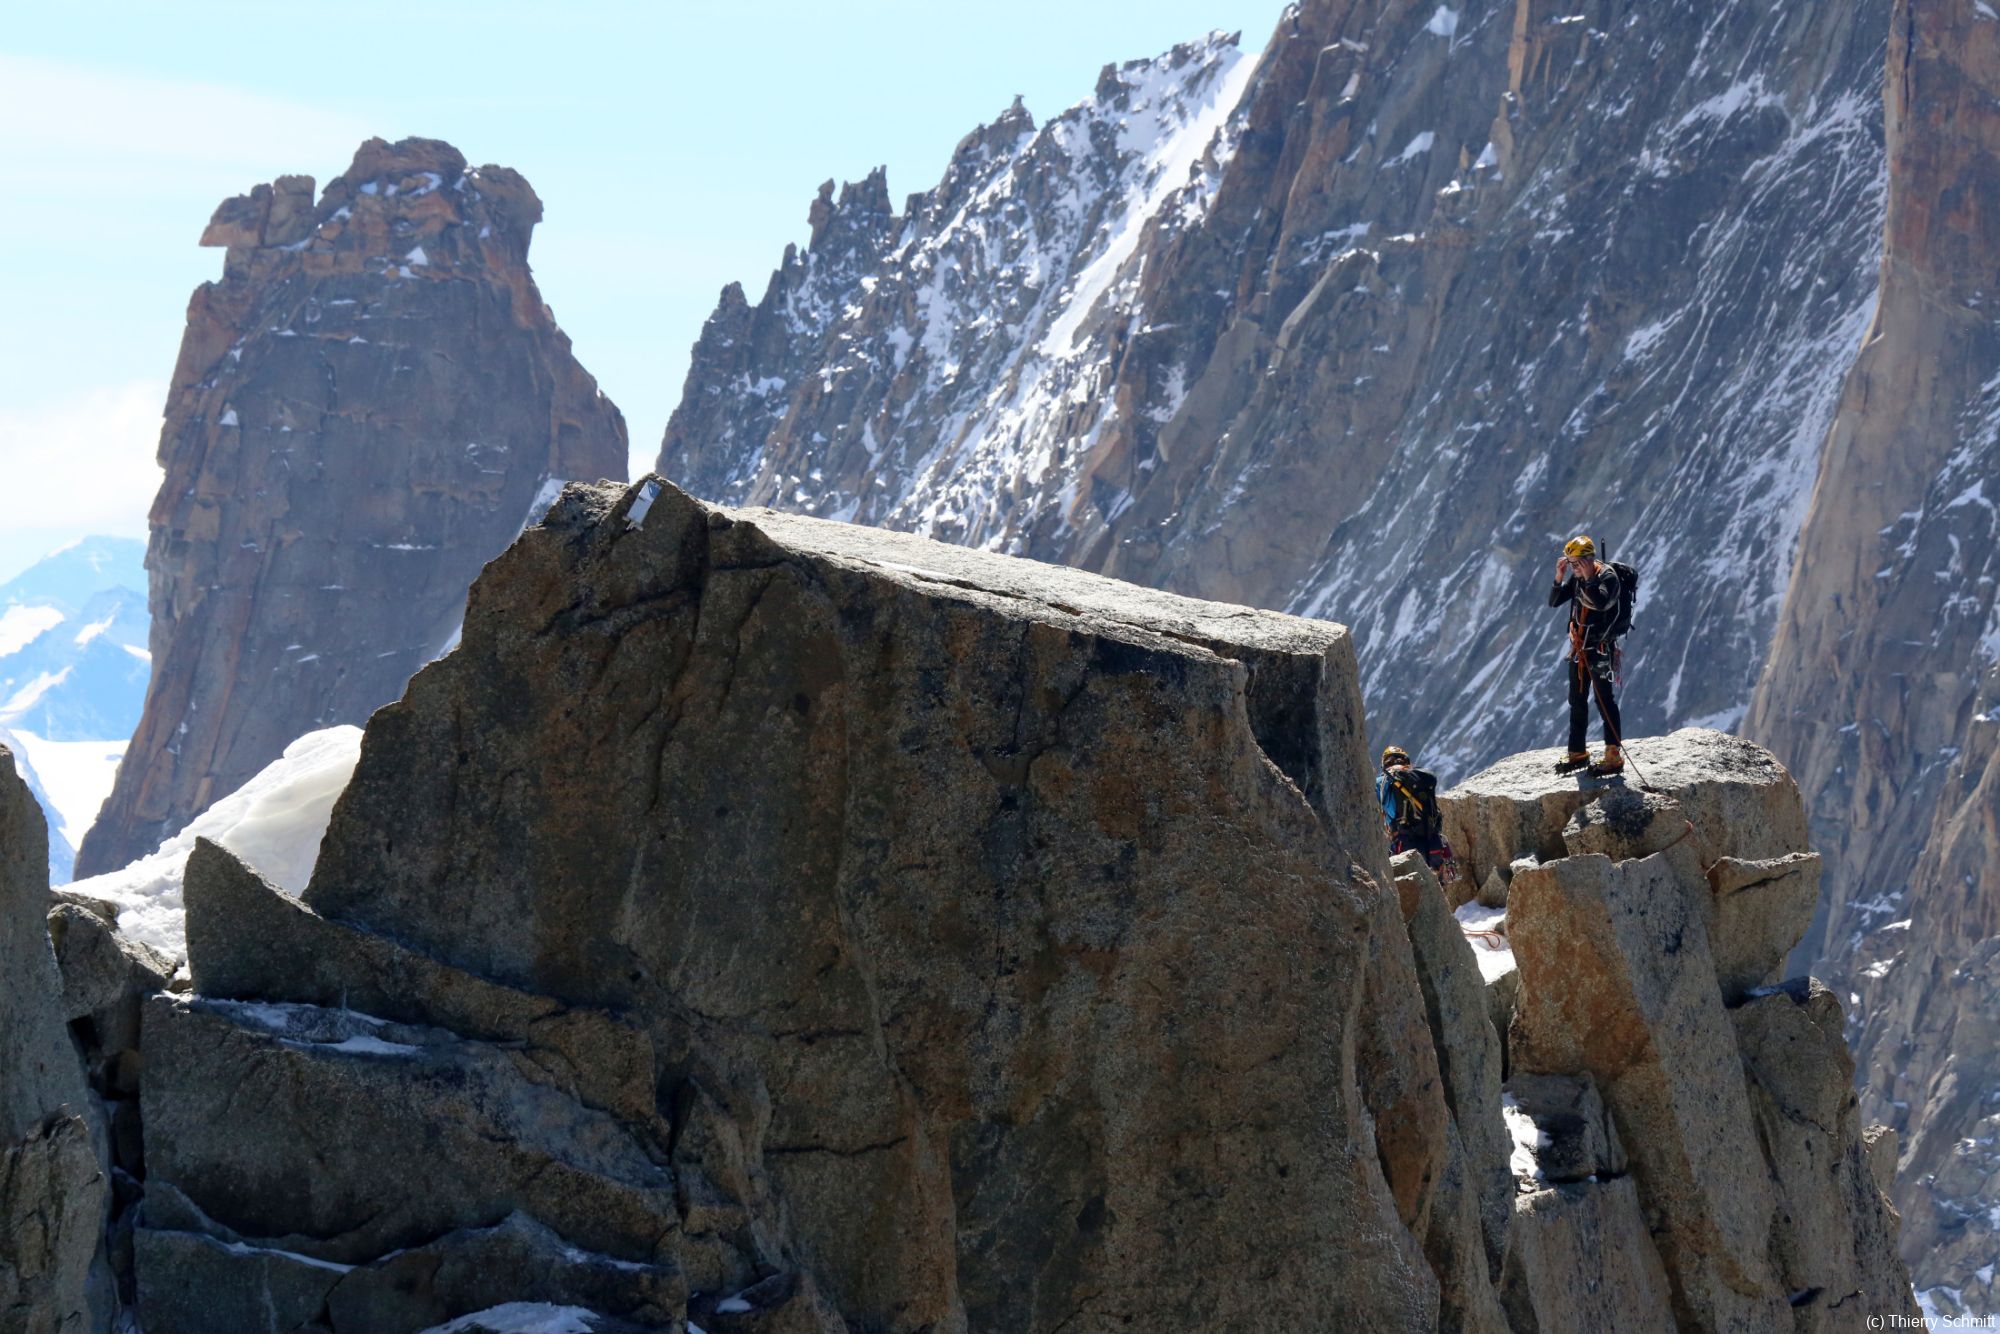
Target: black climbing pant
x=1584, y=685
x=1436, y=851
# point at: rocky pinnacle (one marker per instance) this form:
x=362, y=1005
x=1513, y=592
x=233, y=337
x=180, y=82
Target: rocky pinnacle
x=365, y=407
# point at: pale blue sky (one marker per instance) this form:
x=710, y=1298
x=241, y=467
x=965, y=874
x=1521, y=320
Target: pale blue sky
x=675, y=147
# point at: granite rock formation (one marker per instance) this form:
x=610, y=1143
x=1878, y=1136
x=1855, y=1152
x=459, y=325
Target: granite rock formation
x=364, y=410
x=629, y=914
x=764, y=924
x=55, y=1187
x=1653, y=1096
x=1884, y=682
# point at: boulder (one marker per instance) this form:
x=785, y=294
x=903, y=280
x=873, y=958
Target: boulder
x=210, y=1281
x=1834, y=1234
x=105, y=978
x=328, y=1132
x=1737, y=795
x=996, y=928
x=1758, y=910
x=1617, y=982
x=1579, y=1258
x=249, y=940
x=54, y=1183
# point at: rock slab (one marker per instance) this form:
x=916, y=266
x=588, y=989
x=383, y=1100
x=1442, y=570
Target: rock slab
x=904, y=861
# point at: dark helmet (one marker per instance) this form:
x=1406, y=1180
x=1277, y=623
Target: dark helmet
x=1394, y=755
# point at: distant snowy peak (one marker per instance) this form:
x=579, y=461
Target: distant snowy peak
x=919, y=344
x=73, y=672
x=81, y=674
x=73, y=573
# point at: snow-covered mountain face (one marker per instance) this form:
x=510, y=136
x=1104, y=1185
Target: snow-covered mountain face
x=926, y=369
x=1362, y=327
x=73, y=673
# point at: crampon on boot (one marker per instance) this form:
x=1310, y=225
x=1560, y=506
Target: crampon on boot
x=1612, y=763
x=1570, y=763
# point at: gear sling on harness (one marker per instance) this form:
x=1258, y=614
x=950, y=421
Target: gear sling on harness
x=1586, y=670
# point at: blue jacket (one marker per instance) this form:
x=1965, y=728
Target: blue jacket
x=1391, y=800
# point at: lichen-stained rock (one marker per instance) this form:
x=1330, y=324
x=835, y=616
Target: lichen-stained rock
x=1617, y=982
x=343, y=1137
x=1740, y=800
x=1579, y=1258
x=1623, y=822
x=54, y=1188
x=365, y=407
x=1000, y=916
x=53, y=1194
x=1468, y=1048
x=1834, y=1233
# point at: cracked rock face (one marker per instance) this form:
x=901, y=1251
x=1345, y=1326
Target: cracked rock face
x=1883, y=688
x=907, y=863
x=1658, y=1086
x=365, y=407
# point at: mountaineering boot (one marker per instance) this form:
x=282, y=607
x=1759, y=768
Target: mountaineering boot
x=1612, y=763
x=1570, y=763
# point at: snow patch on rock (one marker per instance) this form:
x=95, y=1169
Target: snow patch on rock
x=274, y=822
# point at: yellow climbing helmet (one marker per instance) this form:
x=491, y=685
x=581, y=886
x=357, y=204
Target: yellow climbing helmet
x=1578, y=547
x=1394, y=753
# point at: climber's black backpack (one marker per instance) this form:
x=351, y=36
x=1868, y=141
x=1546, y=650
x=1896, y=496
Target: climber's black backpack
x=1628, y=593
x=1417, y=813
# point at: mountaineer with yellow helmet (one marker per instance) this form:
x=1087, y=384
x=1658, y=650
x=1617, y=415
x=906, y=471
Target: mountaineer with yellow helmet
x=1600, y=595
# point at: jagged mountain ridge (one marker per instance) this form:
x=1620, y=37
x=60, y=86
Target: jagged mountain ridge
x=365, y=408
x=957, y=336
x=1446, y=273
